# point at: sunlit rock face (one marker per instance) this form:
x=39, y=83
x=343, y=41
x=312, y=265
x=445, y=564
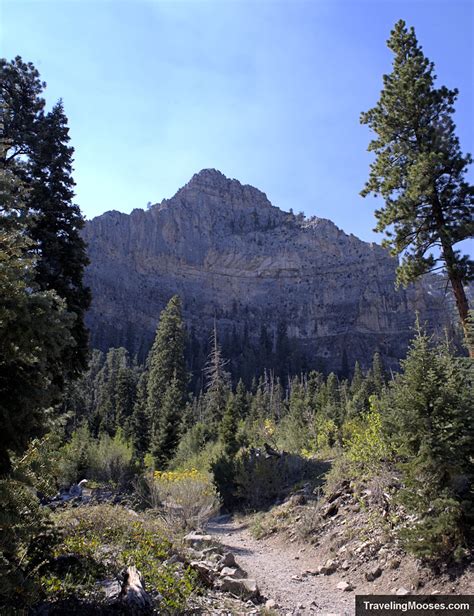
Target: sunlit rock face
x=235, y=258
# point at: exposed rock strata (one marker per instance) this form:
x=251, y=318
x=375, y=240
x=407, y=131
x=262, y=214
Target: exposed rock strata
x=231, y=255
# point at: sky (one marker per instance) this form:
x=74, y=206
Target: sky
x=268, y=92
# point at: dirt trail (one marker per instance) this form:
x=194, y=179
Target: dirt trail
x=279, y=568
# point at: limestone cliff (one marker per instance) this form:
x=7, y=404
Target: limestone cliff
x=231, y=255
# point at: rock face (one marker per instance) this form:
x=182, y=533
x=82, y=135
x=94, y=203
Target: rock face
x=259, y=272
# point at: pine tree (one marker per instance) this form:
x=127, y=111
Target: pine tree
x=420, y=170
x=166, y=360
x=167, y=429
x=139, y=425
x=34, y=328
x=241, y=403
x=378, y=374
x=357, y=379
x=39, y=155
x=21, y=107
x=228, y=428
x=56, y=224
x=429, y=416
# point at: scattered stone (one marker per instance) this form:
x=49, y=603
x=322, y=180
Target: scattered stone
x=373, y=573
x=228, y=560
x=346, y=586
x=345, y=565
x=197, y=539
x=205, y=570
x=271, y=604
x=328, y=568
x=331, y=510
x=402, y=592
x=245, y=588
x=339, y=491
x=234, y=572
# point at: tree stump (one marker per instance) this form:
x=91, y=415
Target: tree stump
x=133, y=594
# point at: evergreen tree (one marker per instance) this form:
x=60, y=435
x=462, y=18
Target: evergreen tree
x=240, y=401
x=34, y=328
x=228, y=428
x=56, y=225
x=166, y=360
x=39, y=155
x=167, y=429
x=125, y=399
x=139, y=425
x=357, y=379
x=429, y=406
x=420, y=170
x=429, y=416
x=21, y=108
x=378, y=374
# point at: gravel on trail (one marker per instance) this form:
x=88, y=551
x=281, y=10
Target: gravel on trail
x=280, y=569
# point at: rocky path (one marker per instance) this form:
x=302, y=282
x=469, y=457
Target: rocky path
x=280, y=569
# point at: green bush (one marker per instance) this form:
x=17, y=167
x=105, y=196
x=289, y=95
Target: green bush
x=366, y=446
x=260, y=480
x=105, y=459
x=104, y=540
x=434, y=530
x=25, y=543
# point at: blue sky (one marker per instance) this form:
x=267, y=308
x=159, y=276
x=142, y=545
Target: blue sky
x=267, y=92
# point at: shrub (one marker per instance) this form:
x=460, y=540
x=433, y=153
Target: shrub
x=101, y=541
x=259, y=480
x=435, y=517
x=326, y=434
x=25, y=542
x=365, y=443
x=110, y=460
x=105, y=459
x=187, y=498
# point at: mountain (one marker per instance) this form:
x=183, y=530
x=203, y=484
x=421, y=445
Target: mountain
x=285, y=292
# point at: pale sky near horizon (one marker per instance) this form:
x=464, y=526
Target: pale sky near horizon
x=268, y=92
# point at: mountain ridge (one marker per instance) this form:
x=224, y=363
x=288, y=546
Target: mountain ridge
x=234, y=257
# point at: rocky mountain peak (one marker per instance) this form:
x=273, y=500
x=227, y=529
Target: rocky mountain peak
x=240, y=262
x=214, y=184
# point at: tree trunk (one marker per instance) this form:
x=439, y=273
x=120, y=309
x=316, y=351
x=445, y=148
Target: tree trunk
x=453, y=273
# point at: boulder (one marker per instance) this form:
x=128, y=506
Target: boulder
x=328, y=568
x=373, y=573
x=244, y=588
x=233, y=572
x=227, y=560
x=346, y=586
x=198, y=540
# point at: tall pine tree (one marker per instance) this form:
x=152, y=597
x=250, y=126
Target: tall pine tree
x=166, y=362
x=56, y=224
x=419, y=170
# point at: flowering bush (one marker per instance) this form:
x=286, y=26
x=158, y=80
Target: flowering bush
x=187, y=497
